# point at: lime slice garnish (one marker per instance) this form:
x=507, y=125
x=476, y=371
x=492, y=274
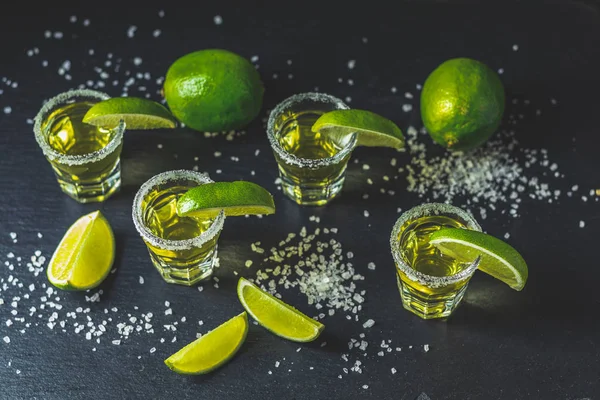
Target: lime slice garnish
x=498, y=258
x=372, y=129
x=85, y=254
x=137, y=114
x=235, y=198
x=211, y=350
x=276, y=316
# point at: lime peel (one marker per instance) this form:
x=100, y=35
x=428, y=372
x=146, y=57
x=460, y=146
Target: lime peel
x=276, y=316
x=498, y=258
x=211, y=350
x=372, y=130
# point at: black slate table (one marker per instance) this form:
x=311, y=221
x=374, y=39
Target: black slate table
x=541, y=343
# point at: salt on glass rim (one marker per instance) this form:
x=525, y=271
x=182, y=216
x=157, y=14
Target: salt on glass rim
x=173, y=245
x=64, y=99
x=425, y=210
x=299, y=161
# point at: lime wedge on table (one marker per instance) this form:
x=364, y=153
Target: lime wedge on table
x=85, y=254
x=235, y=198
x=275, y=315
x=137, y=114
x=498, y=258
x=211, y=350
x=372, y=129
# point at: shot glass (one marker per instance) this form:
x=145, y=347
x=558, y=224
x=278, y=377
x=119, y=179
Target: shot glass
x=85, y=158
x=183, y=249
x=312, y=166
x=431, y=284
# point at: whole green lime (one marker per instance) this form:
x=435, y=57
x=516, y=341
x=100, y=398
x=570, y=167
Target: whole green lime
x=213, y=90
x=462, y=103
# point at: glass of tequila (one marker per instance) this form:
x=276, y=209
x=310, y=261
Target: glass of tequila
x=312, y=166
x=183, y=249
x=85, y=158
x=431, y=284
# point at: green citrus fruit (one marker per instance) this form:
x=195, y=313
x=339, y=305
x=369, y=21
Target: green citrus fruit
x=213, y=90
x=85, y=254
x=212, y=350
x=372, y=129
x=462, y=103
x=235, y=198
x=275, y=315
x=498, y=258
x=137, y=113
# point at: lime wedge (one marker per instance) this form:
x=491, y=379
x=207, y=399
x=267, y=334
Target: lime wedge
x=85, y=254
x=498, y=258
x=137, y=114
x=211, y=350
x=235, y=198
x=372, y=129
x=276, y=316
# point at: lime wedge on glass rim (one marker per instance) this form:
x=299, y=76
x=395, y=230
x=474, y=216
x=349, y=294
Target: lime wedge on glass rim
x=136, y=112
x=372, y=129
x=84, y=255
x=234, y=198
x=498, y=258
x=276, y=316
x=211, y=350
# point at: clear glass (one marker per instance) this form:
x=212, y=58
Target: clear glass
x=312, y=167
x=183, y=249
x=85, y=158
x=431, y=284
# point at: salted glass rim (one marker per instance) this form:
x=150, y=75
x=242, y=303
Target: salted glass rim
x=299, y=161
x=425, y=210
x=68, y=159
x=173, y=245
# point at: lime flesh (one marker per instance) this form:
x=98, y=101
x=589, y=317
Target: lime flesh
x=85, y=254
x=234, y=198
x=211, y=350
x=498, y=258
x=372, y=130
x=137, y=114
x=276, y=316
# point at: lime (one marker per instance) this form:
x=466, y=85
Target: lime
x=213, y=90
x=212, y=350
x=498, y=258
x=85, y=254
x=372, y=129
x=462, y=103
x=137, y=114
x=276, y=316
x=234, y=198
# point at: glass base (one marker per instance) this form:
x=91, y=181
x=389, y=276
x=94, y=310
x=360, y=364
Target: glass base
x=311, y=195
x=188, y=275
x=92, y=191
x=430, y=306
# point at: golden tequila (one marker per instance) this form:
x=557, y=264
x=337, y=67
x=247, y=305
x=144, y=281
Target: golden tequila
x=183, y=249
x=311, y=166
x=85, y=158
x=431, y=283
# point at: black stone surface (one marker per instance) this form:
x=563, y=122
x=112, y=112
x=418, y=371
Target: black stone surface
x=541, y=343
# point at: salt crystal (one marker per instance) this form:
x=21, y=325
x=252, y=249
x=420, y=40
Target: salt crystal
x=368, y=323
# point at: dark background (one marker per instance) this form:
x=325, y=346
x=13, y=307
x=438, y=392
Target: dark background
x=541, y=343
